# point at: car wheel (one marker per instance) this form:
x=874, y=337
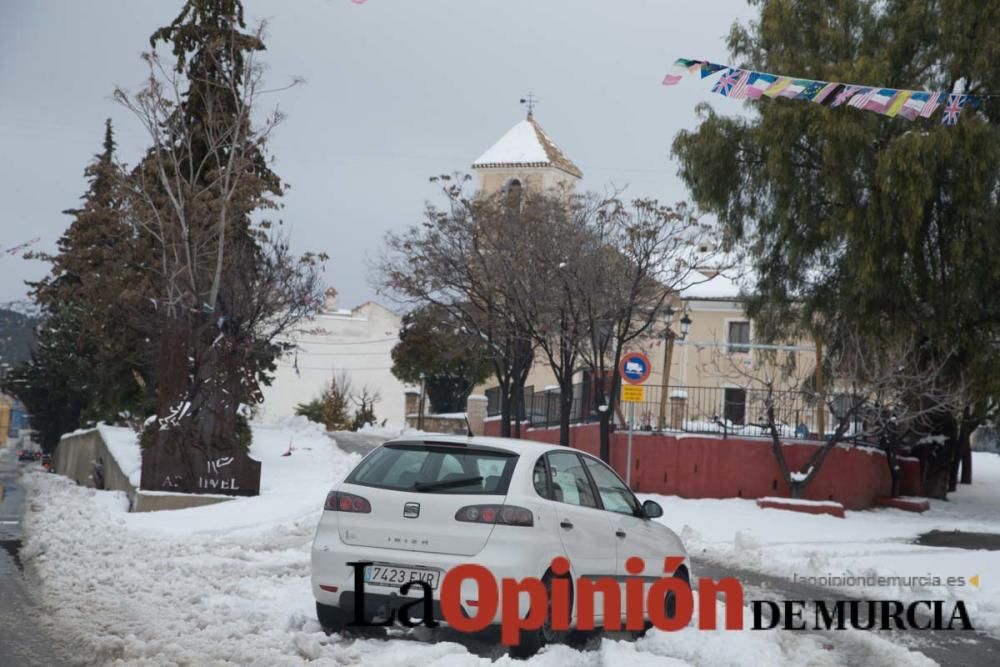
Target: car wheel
x=532, y=641
x=332, y=619
x=669, y=602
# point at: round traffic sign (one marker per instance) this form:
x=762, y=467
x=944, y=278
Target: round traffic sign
x=635, y=367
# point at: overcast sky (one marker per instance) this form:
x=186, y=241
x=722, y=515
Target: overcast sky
x=396, y=91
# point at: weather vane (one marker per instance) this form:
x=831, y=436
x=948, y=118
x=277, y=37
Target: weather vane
x=531, y=101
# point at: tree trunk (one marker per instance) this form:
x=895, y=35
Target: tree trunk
x=605, y=421
x=517, y=407
x=967, y=460
x=964, y=453
x=893, y=461
x=504, y=410
x=565, y=412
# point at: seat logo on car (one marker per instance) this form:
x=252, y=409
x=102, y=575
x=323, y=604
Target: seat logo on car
x=411, y=510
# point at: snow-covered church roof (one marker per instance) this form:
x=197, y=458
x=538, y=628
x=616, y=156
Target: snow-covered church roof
x=526, y=145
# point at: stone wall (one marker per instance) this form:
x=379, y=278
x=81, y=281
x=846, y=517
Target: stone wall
x=76, y=455
x=438, y=424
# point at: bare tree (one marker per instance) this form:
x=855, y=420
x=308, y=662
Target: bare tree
x=641, y=254
x=884, y=392
x=552, y=231
x=221, y=284
x=457, y=260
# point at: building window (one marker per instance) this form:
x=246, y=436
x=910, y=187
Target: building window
x=735, y=409
x=738, y=337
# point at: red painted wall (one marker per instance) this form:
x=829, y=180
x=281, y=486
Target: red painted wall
x=705, y=466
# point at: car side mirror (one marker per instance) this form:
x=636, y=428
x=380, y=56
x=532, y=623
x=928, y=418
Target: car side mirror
x=651, y=509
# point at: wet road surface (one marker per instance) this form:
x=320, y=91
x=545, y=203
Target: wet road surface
x=23, y=640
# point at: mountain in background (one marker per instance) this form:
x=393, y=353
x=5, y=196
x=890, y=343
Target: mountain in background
x=17, y=332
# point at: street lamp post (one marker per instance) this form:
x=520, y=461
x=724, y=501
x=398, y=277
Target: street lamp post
x=668, y=356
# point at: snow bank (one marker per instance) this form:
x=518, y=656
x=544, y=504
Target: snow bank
x=229, y=583
x=124, y=446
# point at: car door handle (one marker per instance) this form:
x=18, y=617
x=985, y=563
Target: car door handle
x=567, y=524
x=620, y=533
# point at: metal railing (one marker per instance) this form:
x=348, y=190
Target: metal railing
x=722, y=410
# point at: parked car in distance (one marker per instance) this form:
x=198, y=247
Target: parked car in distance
x=25, y=455
x=416, y=508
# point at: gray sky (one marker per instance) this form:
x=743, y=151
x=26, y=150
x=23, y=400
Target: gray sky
x=397, y=91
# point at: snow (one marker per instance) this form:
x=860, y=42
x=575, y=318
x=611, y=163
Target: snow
x=800, y=502
x=719, y=286
x=520, y=145
x=800, y=476
x=123, y=445
x=229, y=583
x=877, y=542
x=144, y=589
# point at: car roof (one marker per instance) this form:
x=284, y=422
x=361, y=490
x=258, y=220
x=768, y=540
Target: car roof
x=515, y=445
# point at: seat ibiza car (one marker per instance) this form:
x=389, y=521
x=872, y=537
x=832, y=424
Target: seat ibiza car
x=415, y=508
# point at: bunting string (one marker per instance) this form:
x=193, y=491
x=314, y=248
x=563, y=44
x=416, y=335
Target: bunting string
x=739, y=84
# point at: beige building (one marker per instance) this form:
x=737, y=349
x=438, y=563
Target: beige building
x=525, y=157
x=712, y=367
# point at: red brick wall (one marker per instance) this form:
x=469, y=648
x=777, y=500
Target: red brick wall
x=703, y=466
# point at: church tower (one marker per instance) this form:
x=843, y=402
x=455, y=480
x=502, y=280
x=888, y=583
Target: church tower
x=525, y=157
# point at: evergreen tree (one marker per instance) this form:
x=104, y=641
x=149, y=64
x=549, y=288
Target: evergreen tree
x=854, y=220
x=451, y=361
x=94, y=279
x=86, y=365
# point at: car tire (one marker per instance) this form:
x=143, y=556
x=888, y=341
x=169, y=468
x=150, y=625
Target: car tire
x=332, y=619
x=532, y=641
x=669, y=602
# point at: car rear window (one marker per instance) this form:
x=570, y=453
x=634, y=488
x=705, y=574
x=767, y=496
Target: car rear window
x=431, y=468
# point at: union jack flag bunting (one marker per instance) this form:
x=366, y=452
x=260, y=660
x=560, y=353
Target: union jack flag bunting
x=953, y=108
x=729, y=79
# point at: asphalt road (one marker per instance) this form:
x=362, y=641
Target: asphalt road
x=24, y=640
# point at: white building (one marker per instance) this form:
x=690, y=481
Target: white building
x=357, y=343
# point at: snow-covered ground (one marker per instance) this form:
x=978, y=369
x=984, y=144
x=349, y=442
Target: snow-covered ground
x=229, y=583
x=862, y=545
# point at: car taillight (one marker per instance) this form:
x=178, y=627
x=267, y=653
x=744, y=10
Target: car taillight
x=337, y=501
x=506, y=515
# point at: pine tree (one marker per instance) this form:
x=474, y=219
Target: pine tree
x=433, y=346
x=86, y=365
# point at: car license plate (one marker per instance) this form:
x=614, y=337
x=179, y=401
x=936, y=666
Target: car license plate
x=392, y=575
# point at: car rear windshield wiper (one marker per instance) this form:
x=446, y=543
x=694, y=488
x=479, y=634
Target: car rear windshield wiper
x=447, y=483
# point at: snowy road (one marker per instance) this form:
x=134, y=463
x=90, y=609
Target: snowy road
x=228, y=584
x=22, y=639
x=973, y=649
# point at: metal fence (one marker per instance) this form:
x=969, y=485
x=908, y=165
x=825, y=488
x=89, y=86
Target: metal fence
x=722, y=410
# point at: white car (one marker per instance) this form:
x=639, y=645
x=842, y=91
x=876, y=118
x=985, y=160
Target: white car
x=415, y=508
